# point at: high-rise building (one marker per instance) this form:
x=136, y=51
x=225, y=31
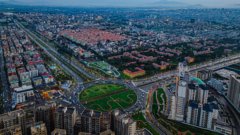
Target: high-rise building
x=202, y=94
x=205, y=74
x=77, y=126
x=234, y=91
x=39, y=129
x=45, y=113
x=192, y=91
x=57, y=131
x=95, y=122
x=128, y=126
x=206, y=116
x=12, y=120
x=183, y=71
x=172, y=112
x=179, y=106
x=181, y=100
x=13, y=130
x=65, y=118
x=193, y=113
x=123, y=124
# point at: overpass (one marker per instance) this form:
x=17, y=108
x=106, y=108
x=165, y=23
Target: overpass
x=212, y=64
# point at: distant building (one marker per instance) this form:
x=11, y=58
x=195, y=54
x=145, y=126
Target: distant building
x=37, y=81
x=205, y=74
x=234, y=91
x=136, y=73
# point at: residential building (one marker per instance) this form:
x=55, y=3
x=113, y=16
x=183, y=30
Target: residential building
x=136, y=73
x=181, y=100
x=202, y=94
x=57, y=131
x=45, y=113
x=206, y=116
x=123, y=124
x=95, y=122
x=205, y=74
x=11, y=120
x=65, y=118
x=39, y=129
x=234, y=91
x=20, y=94
x=193, y=113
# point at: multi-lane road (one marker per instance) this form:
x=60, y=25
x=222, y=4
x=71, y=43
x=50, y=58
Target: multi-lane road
x=6, y=93
x=53, y=53
x=213, y=64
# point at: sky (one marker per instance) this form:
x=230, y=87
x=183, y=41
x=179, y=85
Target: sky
x=205, y=3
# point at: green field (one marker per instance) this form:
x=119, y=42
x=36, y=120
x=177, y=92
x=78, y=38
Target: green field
x=105, y=68
x=158, y=97
x=106, y=97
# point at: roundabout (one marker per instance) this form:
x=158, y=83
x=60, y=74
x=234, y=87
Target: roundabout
x=107, y=97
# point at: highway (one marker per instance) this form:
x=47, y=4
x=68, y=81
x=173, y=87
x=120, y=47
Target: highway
x=213, y=64
x=47, y=48
x=6, y=93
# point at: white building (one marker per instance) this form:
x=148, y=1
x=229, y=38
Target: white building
x=193, y=113
x=20, y=94
x=206, y=117
x=234, y=91
x=181, y=100
x=203, y=94
x=173, y=108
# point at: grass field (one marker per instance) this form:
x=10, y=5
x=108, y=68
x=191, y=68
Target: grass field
x=105, y=68
x=106, y=97
x=155, y=106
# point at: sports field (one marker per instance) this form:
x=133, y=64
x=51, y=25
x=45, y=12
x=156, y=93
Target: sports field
x=107, y=97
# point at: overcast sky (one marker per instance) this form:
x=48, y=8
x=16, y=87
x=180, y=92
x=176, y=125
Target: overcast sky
x=207, y=3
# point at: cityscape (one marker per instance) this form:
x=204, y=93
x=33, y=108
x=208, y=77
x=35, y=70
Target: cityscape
x=112, y=68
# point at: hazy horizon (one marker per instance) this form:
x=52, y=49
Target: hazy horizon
x=205, y=3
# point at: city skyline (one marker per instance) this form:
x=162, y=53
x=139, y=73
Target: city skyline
x=130, y=3
x=168, y=69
